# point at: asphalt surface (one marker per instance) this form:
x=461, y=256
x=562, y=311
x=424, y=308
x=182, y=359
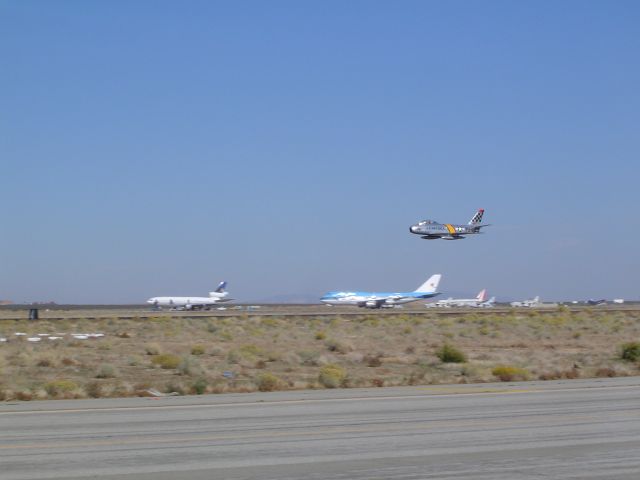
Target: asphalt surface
x=578, y=429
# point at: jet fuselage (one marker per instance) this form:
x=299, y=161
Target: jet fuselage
x=383, y=299
x=192, y=303
x=373, y=299
x=431, y=230
x=184, y=302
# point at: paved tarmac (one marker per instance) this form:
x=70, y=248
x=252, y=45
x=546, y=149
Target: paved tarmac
x=578, y=429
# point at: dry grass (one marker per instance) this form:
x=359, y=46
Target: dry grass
x=250, y=353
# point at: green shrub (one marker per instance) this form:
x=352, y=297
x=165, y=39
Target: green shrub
x=45, y=362
x=450, y=354
x=212, y=328
x=373, y=360
x=57, y=387
x=177, y=387
x=267, y=382
x=270, y=322
x=197, y=350
x=134, y=361
x=199, y=386
x=507, y=373
x=94, y=389
x=106, y=371
x=606, y=372
x=630, y=352
x=166, y=361
x=152, y=349
x=25, y=395
x=338, y=346
x=332, y=376
x=250, y=351
x=234, y=356
x=226, y=336
x=189, y=366
x=320, y=335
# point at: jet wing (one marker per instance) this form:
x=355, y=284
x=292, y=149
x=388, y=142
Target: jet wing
x=393, y=298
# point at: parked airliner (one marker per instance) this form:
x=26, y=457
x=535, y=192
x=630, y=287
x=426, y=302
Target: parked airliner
x=383, y=299
x=193, y=303
x=532, y=303
x=488, y=304
x=461, y=302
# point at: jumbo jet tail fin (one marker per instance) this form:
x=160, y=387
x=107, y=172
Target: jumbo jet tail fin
x=482, y=296
x=430, y=285
x=221, y=287
x=477, y=218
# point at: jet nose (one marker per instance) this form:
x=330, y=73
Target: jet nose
x=412, y=229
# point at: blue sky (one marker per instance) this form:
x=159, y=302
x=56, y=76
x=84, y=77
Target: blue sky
x=151, y=148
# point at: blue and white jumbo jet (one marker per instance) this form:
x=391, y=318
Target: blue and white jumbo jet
x=384, y=299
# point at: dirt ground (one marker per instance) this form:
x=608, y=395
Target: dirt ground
x=166, y=354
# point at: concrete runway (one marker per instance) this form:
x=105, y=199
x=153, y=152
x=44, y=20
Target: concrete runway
x=566, y=429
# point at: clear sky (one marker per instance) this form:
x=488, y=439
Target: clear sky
x=154, y=147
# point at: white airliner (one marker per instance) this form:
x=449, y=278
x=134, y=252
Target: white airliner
x=219, y=295
x=383, y=299
x=534, y=302
x=461, y=302
x=488, y=304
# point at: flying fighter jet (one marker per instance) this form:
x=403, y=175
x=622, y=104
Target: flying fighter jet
x=193, y=303
x=430, y=230
x=383, y=299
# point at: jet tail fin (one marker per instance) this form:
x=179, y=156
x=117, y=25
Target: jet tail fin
x=490, y=302
x=477, y=218
x=430, y=285
x=482, y=296
x=221, y=287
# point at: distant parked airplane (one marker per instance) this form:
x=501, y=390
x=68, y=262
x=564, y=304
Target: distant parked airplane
x=488, y=304
x=534, y=302
x=383, y=299
x=593, y=302
x=461, y=302
x=431, y=230
x=193, y=303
